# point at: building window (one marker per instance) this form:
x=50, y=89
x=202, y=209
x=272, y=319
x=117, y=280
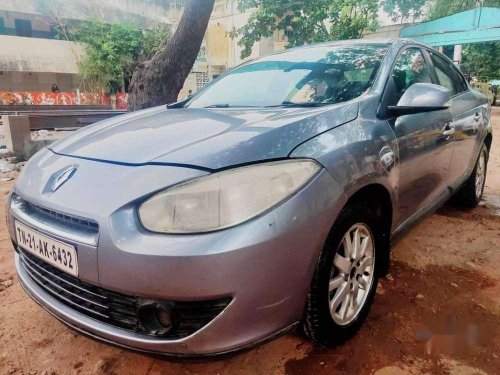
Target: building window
x=53, y=32
x=202, y=54
x=2, y=26
x=201, y=79
x=23, y=28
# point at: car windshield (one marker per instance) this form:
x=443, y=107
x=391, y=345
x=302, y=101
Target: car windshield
x=301, y=77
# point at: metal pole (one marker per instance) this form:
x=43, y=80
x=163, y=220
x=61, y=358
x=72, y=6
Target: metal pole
x=457, y=54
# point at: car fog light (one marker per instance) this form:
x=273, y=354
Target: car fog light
x=164, y=318
x=156, y=317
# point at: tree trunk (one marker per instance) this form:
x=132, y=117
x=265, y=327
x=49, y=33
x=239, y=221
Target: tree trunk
x=159, y=80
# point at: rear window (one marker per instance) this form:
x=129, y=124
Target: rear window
x=447, y=75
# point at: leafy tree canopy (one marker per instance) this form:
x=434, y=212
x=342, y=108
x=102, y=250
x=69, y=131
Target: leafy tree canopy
x=113, y=50
x=478, y=59
x=442, y=8
x=482, y=59
x=306, y=21
x=404, y=10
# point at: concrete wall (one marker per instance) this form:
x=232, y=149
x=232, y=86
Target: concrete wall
x=38, y=55
x=18, y=137
x=19, y=54
x=41, y=25
x=144, y=13
x=36, y=81
x=384, y=32
x=217, y=44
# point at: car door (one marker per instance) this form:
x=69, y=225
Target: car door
x=424, y=145
x=467, y=114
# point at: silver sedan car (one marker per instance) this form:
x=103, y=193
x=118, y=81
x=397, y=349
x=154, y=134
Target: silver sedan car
x=268, y=199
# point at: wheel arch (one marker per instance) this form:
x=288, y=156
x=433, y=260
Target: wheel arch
x=488, y=140
x=377, y=198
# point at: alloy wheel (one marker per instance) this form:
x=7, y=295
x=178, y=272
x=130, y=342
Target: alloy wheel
x=480, y=174
x=352, y=274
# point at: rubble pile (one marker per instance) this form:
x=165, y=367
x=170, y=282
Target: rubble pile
x=9, y=165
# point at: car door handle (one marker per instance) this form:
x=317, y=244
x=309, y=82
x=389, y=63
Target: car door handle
x=387, y=157
x=449, y=129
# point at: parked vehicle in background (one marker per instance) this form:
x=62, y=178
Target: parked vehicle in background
x=268, y=198
x=482, y=85
x=496, y=91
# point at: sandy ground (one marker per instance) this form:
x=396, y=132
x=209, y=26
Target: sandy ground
x=437, y=312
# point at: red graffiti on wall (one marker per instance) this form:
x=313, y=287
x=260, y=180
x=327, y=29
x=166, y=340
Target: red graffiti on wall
x=61, y=98
x=122, y=100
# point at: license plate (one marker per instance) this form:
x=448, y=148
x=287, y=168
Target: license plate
x=54, y=252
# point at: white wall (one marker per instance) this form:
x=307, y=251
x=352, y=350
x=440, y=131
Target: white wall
x=384, y=32
x=146, y=13
x=38, y=55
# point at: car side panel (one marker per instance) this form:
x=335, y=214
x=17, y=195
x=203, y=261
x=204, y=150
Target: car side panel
x=424, y=160
x=353, y=152
x=470, y=117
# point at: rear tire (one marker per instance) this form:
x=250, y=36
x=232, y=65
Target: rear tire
x=345, y=279
x=471, y=192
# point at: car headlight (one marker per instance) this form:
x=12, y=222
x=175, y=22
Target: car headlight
x=226, y=198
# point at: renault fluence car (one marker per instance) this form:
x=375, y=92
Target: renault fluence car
x=268, y=199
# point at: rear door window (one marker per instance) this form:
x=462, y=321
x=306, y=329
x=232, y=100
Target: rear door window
x=447, y=75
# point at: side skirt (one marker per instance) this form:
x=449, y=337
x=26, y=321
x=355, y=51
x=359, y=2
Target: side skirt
x=421, y=214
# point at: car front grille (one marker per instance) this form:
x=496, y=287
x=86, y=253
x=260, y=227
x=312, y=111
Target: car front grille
x=113, y=308
x=70, y=227
x=67, y=219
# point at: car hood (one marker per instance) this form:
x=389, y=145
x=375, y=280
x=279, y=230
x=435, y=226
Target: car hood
x=206, y=138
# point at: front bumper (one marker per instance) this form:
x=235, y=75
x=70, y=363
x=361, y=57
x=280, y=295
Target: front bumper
x=264, y=266
x=105, y=333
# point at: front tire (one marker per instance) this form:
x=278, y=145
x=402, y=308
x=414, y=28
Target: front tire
x=472, y=191
x=345, y=279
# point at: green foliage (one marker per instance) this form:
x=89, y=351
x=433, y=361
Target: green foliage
x=404, y=10
x=155, y=40
x=306, y=21
x=482, y=59
x=442, y=8
x=113, y=50
x=479, y=59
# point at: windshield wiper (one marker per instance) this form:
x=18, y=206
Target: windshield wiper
x=178, y=104
x=284, y=104
x=217, y=106
x=299, y=104
x=232, y=106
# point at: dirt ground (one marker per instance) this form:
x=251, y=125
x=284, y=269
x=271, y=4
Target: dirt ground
x=437, y=312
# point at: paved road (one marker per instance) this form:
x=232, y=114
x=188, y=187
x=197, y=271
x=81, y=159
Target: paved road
x=444, y=273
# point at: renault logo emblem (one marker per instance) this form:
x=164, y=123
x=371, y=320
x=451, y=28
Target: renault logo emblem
x=63, y=176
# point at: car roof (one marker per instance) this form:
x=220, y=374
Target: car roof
x=348, y=42
x=397, y=42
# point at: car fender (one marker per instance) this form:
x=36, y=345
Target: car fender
x=357, y=154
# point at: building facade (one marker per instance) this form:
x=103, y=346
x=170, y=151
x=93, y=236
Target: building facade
x=219, y=52
x=33, y=59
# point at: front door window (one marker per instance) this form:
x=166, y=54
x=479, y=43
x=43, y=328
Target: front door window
x=410, y=68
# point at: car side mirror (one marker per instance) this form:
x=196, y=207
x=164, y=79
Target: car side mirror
x=421, y=98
